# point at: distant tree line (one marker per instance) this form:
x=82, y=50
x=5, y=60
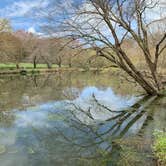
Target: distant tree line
x=22, y=46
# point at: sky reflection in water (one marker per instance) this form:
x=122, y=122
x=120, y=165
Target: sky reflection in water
x=53, y=132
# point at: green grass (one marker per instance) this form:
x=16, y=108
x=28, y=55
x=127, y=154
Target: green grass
x=6, y=66
x=24, y=66
x=159, y=147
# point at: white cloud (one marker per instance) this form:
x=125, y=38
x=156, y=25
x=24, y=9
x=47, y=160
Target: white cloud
x=158, y=12
x=32, y=30
x=21, y=8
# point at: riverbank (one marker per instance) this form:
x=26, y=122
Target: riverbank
x=41, y=71
x=159, y=147
x=27, y=68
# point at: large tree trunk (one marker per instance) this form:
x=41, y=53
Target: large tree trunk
x=137, y=75
x=143, y=83
x=126, y=65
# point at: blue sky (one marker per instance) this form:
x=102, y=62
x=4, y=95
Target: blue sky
x=20, y=12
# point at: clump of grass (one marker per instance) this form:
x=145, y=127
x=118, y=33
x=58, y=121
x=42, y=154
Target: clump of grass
x=159, y=147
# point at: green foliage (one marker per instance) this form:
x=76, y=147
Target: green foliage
x=159, y=146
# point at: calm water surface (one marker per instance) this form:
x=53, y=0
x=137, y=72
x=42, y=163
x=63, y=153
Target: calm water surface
x=76, y=119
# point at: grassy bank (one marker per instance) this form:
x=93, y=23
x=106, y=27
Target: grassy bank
x=27, y=68
x=159, y=147
x=12, y=66
x=38, y=70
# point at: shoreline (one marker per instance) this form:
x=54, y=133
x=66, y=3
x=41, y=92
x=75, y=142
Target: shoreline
x=42, y=71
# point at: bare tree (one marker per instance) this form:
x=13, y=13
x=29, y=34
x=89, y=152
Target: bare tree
x=106, y=24
x=57, y=50
x=31, y=46
x=10, y=48
x=63, y=51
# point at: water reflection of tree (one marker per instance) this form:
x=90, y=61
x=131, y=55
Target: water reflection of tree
x=118, y=126
x=90, y=142
x=71, y=138
x=14, y=90
x=123, y=120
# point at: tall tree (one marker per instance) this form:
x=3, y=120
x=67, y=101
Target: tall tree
x=106, y=24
